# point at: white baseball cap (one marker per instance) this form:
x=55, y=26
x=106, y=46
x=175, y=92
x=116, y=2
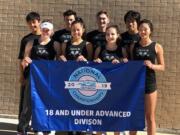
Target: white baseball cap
x=46, y=25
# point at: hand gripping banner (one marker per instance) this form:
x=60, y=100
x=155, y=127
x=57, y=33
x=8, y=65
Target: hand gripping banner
x=81, y=96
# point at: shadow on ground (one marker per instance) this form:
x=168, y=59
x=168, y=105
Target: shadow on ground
x=10, y=129
x=7, y=129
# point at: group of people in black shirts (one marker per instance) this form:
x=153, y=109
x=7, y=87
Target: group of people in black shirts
x=105, y=44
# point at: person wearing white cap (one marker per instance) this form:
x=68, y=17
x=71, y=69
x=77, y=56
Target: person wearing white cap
x=38, y=49
x=46, y=25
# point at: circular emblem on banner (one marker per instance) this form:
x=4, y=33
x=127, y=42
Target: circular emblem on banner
x=87, y=85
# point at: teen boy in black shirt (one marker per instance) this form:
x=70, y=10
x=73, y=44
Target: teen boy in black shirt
x=33, y=22
x=131, y=36
x=64, y=35
x=97, y=37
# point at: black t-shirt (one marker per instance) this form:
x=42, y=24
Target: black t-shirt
x=41, y=52
x=73, y=51
x=45, y=52
x=109, y=55
x=24, y=42
x=96, y=38
x=128, y=39
x=62, y=36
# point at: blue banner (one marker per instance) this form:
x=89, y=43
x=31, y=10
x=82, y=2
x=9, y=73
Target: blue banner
x=80, y=96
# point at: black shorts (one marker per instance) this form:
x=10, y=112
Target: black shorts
x=150, y=88
x=150, y=83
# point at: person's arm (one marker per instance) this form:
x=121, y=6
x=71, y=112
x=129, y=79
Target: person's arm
x=63, y=52
x=131, y=51
x=160, y=59
x=96, y=55
x=89, y=50
x=27, y=60
x=125, y=56
x=58, y=49
x=21, y=79
x=20, y=57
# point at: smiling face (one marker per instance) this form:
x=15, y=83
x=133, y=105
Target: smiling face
x=77, y=31
x=68, y=21
x=132, y=26
x=34, y=25
x=111, y=35
x=144, y=31
x=46, y=32
x=102, y=20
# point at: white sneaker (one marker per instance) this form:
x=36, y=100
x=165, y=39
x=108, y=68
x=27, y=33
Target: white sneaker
x=19, y=133
x=52, y=133
x=39, y=133
x=123, y=133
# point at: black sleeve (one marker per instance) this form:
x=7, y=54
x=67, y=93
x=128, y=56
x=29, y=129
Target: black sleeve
x=121, y=42
x=120, y=52
x=54, y=37
x=89, y=37
x=57, y=36
x=22, y=49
